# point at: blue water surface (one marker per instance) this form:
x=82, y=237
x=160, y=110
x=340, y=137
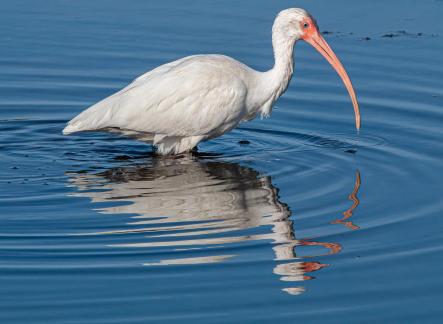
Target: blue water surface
x=296, y=218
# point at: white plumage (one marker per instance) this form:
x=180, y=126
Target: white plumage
x=197, y=98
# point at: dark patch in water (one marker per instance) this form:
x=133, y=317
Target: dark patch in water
x=404, y=33
x=77, y=172
x=207, y=155
x=122, y=157
x=244, y=142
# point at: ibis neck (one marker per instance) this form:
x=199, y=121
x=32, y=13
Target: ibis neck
x=280, y=75
x=275, y=81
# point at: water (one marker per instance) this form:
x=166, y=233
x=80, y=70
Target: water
x=294, y=218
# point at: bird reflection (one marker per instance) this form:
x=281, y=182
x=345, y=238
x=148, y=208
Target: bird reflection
x=194, y=205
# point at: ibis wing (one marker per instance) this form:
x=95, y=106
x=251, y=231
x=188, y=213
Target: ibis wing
x=193, y=96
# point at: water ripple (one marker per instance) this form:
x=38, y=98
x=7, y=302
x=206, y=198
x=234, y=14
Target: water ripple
x=297, y=205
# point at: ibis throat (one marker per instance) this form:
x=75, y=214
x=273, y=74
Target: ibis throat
x=280, y=75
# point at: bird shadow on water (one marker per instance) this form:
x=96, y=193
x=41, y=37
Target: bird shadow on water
x=196, y=206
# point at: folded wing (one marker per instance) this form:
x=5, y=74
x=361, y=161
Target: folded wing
x=195, y=96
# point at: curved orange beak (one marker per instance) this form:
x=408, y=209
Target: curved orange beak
x=314, y=38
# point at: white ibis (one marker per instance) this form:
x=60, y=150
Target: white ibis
x=200, y=97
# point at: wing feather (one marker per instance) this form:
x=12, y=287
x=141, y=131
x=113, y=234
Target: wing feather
x=197, y=95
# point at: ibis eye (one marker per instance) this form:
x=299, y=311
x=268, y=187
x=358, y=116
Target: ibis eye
x=305, y=25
